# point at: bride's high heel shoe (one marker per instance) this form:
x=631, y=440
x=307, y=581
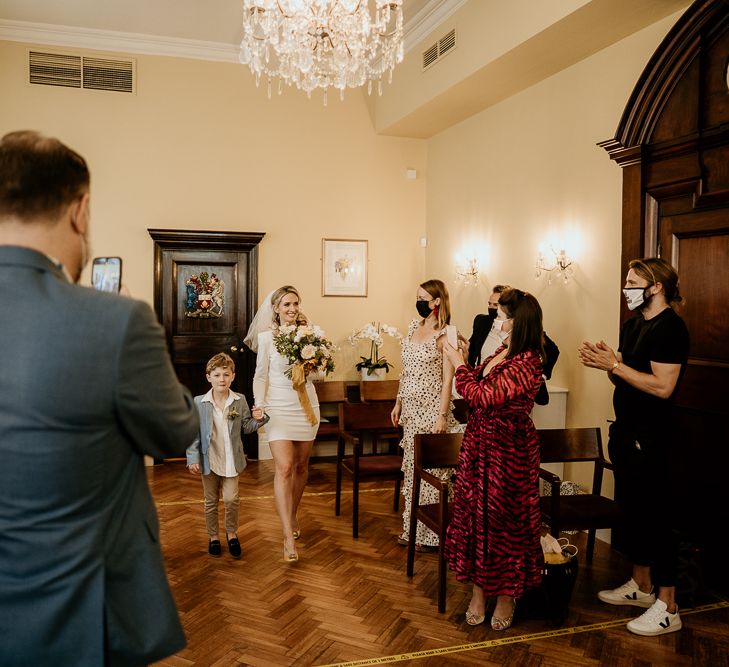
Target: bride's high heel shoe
x=297, y=532
x=289, y=557
x=503, y=623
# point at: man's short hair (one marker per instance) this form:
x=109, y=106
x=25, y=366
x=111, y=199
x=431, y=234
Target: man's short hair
x=39, y=176
x=220, y=360
x=498, y=289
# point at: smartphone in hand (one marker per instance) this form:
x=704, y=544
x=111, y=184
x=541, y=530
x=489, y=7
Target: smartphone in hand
x=452, y=335
x=106, y=274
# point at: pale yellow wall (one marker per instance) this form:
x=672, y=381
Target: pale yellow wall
x=486, y=30
x=199, y=147
x=529, y=169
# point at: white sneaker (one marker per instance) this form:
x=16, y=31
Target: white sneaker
x=655, y=621
x=628, y=593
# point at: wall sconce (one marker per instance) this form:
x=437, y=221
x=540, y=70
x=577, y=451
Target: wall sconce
x=558, y=265
x=467, y=272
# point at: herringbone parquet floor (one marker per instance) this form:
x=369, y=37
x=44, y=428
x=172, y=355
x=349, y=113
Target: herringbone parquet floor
x=350, y=600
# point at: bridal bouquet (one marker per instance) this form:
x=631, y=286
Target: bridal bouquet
x=307, y=350
x=305, y=347
x=373, y=332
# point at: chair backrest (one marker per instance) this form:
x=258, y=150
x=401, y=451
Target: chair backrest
x=437, y=450
x=378, y=390
x=570, y=445
x=574, y=445
x=365, y=416
x=333, y=391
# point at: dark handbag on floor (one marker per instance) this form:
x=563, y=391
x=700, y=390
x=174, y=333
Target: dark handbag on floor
x=558, y=582
x=550, y=602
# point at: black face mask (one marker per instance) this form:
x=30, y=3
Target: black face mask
x=423, y=308
x=492, y=312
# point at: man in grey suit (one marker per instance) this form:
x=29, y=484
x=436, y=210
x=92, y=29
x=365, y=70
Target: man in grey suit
x=86, y=389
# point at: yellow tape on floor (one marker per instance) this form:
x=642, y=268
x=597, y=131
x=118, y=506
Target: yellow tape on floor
x=242, y=498
x=516, y=639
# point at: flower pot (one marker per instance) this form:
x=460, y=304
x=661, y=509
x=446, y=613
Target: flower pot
x=377, y=374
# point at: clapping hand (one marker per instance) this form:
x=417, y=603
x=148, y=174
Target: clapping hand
x=597, y=355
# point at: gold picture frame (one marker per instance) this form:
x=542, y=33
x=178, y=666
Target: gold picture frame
x=343, y=267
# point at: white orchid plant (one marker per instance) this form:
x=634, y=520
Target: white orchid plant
x=373, y=332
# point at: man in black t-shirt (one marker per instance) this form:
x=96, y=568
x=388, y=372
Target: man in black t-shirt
x=646, y=371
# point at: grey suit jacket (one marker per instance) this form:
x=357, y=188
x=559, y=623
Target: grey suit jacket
x=197, y=452
x=86, y=388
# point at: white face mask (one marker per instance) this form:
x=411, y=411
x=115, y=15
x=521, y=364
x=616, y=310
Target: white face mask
x=498, y=324
x=503, y=335
x=634, y=297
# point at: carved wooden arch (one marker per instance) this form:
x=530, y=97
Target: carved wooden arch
x=672, y=116
x=701, y=23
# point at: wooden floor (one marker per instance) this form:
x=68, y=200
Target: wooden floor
x=349, y=601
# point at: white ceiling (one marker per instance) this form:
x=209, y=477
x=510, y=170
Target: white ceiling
x=212, y=21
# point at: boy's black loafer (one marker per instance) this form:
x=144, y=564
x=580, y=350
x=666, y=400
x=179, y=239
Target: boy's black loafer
x=234, y=547
x=214, y=548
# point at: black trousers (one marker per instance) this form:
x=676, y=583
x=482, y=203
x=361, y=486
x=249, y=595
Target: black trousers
x=644, y=495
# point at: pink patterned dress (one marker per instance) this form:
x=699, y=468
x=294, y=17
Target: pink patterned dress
x=493, y=536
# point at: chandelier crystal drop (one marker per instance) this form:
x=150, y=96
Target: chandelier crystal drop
x=323, y=44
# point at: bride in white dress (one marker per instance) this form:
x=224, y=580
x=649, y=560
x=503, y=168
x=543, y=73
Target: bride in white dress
x=290, y=434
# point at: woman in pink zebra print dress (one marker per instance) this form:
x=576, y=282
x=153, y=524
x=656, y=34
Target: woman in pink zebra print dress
x=493, y=537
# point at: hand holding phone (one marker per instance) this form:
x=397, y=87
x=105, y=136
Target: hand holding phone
x=106, y=273
x=452, y=335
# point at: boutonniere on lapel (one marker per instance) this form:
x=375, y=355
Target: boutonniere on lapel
x=232, y=414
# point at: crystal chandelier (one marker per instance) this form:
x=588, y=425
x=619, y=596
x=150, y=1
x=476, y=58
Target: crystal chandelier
x=322, y=43
x=467, y=272
x=559, y=266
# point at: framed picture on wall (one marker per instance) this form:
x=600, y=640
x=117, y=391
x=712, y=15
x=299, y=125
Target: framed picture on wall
x=343, y=267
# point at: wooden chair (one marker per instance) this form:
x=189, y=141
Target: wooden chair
x=378, y=390
x=358, y=421
x=330, y=393
x=433, y=450
x=373, y=391
x=586, y=511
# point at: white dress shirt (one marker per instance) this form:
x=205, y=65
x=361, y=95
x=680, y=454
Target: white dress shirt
x=221, y=450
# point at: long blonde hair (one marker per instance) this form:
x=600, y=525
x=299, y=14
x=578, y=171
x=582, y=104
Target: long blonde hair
x=438, y=290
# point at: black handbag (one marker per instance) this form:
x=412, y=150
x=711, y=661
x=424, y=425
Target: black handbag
x=550, y=602
x=558, y=582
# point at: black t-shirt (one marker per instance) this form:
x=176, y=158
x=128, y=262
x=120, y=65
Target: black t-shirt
x=663, y=339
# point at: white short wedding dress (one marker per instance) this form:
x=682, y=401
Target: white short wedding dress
x=275, y=393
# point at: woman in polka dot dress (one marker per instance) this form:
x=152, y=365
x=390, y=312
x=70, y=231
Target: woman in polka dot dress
x=424, y=398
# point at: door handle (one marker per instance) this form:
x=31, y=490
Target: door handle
x=233, y=348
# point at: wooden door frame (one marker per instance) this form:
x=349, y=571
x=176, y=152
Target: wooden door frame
x=191, y=240
x=185, y=239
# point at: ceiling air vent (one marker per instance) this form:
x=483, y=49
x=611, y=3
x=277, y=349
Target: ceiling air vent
x=430, y=56
x=55, y=69
x=104, y=74
x=443, y=46
x=94, y=73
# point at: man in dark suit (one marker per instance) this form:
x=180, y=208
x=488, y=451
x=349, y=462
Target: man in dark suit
x=86, y=389
x=482, y=327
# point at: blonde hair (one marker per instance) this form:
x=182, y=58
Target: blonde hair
x=438, y=290
x=276, y=297
x=220, y=360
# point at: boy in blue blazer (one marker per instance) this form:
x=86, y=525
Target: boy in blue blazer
x=217, y=452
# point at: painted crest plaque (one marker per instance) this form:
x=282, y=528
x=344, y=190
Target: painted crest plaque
x=204, y=296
